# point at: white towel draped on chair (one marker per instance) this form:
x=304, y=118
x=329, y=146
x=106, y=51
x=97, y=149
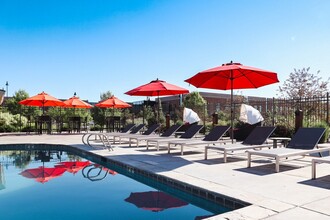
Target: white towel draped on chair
x=190, y=116
x=250, y=115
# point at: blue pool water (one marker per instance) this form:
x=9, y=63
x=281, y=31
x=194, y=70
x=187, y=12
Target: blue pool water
x=93, y=192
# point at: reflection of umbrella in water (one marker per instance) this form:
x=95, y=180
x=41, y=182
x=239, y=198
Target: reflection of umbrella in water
x=42, y=100
x=232, y=76
x=157, y=88
x=73, y=166
x=154, y=201
x=43, y=174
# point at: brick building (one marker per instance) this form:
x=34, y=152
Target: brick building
x=217, y=102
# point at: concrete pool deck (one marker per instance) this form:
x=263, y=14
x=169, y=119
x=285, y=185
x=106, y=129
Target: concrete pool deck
x=289, y=194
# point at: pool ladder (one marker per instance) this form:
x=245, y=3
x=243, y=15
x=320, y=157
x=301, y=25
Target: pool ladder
x=98, y=137
x=89, y=172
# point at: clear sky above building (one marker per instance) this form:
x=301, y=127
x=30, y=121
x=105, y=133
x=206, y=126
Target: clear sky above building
x=91, y=47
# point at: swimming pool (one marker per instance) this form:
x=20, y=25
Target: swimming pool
x=93, y=191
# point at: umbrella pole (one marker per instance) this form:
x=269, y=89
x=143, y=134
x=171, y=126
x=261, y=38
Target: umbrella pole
x=231, y=107
x=158, y=109
x=113, y=119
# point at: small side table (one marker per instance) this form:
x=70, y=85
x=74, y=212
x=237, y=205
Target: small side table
x=285, y=141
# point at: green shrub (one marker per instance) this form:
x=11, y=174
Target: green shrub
x=96, y=128
x=28, y=129
x=283, y=131
x=10, y=122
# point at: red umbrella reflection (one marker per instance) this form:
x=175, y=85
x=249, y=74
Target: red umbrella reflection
x=73, y=166
x=154, y=201
x=43, y=174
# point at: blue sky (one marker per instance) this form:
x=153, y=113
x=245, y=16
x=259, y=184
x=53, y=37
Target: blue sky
x=91, y=47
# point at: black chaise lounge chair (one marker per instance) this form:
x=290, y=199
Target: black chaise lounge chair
x=87, y=136
x=153, y=128
x=127, y=128
x=256, y=139
x=303, y=142
x=190, y=133
x=134, y=130
x=167, y=133
x=215, y=136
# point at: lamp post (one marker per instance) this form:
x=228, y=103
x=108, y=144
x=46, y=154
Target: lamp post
x=7, y=84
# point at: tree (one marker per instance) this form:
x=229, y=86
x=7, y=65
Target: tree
x=12, y=103
x=15, y=108
x=105, y=95
x=302, y=83
x=196, y=102
x=99, y=114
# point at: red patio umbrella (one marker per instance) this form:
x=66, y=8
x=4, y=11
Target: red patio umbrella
x=76, y=102
x=42, y=100
x=43, y=174
x=233, y=76
x=157, y=88
x=73, y=166
x=154, y=201
x=113, y=102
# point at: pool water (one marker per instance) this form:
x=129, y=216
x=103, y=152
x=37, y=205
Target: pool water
x=45, y=185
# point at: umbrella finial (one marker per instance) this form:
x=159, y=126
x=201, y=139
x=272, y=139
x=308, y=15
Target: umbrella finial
x=74, y=94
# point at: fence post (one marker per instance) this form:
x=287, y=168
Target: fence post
x=167, y=120
x=215, y=118
x=299, y=119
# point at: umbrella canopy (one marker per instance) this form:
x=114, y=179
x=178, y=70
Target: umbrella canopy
x=76, y=102
x=250, y=115
x=233, y=76
x=113, y=102
x=42, y=100
x=73, y=166
x=43, y=174
x=190, y=116
x=157, y=88
x=154, y=201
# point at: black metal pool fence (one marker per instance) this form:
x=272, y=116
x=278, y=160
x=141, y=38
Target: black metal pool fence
x=276, y=111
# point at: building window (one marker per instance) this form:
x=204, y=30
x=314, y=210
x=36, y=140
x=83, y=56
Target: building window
x=217, y=107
